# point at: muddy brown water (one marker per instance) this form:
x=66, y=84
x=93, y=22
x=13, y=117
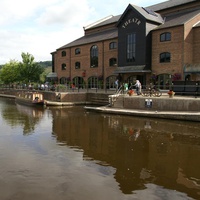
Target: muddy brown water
x=72, y=154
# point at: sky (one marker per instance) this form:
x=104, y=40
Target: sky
x=40, y=27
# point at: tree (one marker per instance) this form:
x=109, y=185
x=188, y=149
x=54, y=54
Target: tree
x=30, y=71
x=9, y=73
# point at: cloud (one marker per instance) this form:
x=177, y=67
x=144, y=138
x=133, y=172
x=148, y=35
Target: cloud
x=40, y=27
x=66, y=13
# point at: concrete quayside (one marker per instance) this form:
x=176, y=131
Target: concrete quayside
x=178, y=107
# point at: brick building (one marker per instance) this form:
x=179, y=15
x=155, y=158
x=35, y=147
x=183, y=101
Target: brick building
x=160, y=43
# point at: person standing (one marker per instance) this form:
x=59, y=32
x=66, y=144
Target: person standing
x=126, y=86
x=138, y=87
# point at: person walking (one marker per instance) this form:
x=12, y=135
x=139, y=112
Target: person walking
x=117, y=84
x=138, y=87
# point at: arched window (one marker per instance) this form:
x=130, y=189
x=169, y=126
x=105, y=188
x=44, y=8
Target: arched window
x=165, y=57
x=164, y=81
x=165, y=36
x=94, y=56
x=63, y=53
x=63, y=66
x=62, y=80
x=110, y=82
x=77, y=65
x=113, y=45
x=112, y=62
x=93, y=82
x=77, y=51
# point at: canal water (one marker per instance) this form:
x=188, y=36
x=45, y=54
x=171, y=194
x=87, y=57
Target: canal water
x=72, y=154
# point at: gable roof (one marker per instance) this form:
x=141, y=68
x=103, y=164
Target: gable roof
x=145, y=12
x=169, y=4
x=148, y=14
x=178, y=19
x=90, y=38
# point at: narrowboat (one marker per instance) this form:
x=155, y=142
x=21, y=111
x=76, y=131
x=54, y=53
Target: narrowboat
x=30, y=99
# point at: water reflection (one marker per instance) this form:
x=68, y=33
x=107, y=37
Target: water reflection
x=18, y=115
x=96, y=156
x=143, y=151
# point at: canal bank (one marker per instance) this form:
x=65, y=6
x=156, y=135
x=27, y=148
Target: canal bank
x=176, y=108
x=179, y=107
x=175, y=115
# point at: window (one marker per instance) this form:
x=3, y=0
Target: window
x=165, y=37
x=77, y=51
x=131, y=48
x=77, y=65
x=113, y=45
x=165, y=57
x=63, y=66
x=63, y=53
x=93, y=82
x=112, y=62
x=94, y=56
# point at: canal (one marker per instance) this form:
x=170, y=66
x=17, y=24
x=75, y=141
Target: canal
x=72, y=154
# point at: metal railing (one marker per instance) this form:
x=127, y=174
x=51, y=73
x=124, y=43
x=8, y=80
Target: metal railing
x=191, y=88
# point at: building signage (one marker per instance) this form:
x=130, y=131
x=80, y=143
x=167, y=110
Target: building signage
x=148, y=103
x=130, y=21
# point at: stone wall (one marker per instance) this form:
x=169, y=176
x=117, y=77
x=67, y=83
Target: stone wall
x=94, y=98
x=162, y=103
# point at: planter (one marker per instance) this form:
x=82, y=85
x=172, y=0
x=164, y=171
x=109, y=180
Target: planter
x=171, y=95
x=130, y=92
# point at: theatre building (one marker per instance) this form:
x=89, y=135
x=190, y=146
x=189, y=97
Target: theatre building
x=159, y=44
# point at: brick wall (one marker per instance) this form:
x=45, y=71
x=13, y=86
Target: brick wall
x=175, y=47
x=163, y=104
x=189, y=38
x=196, y=45
x=104, y=54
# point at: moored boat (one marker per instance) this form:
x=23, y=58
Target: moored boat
x=30, y=99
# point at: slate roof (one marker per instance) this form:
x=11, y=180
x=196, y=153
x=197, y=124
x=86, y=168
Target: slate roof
x=178, y=19
x=111, y=20
x=170, y=21
x=99, y=36
x=155, y=17
x=169, y=4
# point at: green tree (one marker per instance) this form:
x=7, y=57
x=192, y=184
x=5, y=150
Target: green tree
x=9, y=73
x=30, y=70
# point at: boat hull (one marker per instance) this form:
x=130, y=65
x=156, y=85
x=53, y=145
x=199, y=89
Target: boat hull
x=29, y=102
